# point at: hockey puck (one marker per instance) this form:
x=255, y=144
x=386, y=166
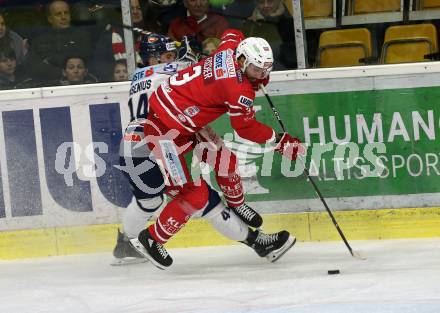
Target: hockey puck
x=333, y=272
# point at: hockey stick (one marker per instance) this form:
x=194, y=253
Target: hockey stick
x=306, y=172
x=134, y=29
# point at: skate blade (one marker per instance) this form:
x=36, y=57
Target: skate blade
x=127, y=261
x=277, y=254
x=141, y=249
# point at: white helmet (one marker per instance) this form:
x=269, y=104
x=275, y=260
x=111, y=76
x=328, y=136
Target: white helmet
x=257, y=51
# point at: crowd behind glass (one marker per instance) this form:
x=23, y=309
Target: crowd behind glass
x=67, y=42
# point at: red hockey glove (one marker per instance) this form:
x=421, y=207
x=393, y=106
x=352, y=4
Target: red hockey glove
x=290, y=147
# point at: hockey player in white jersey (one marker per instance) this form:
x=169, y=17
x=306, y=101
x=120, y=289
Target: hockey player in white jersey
x=146, y=178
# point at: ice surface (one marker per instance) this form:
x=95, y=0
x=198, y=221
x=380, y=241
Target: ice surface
x=398, y=276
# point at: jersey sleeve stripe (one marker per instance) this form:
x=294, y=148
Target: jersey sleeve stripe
x=235, y=107
x=241, y=107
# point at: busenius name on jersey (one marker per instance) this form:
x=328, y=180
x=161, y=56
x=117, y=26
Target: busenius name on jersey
x=145, y=81
x=140, y=86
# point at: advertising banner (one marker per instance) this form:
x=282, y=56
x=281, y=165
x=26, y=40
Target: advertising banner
x=57, y=159
x=362, y=143
x=367, y=149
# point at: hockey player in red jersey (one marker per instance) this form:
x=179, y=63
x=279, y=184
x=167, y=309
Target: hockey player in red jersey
x=148, y=184
x=223, y=83
x=157, y=48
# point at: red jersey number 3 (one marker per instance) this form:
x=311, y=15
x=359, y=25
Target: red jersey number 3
x=181, y=79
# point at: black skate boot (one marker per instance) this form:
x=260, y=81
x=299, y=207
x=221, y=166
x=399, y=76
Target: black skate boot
x=124, y=252
x=248, y=215
x=152, y=250
x=270, y=246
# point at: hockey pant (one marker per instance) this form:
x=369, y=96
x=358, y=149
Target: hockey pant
x=148, y=191
x=188, y=196
x=212, y=151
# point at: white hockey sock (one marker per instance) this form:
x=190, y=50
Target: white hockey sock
x=135, y=220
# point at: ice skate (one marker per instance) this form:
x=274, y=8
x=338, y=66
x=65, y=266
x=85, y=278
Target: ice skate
x=270, y=246
x=124, y=253
x=154, y=251
x=248, y=215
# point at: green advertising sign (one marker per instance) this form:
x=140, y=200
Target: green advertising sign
x=365, y=143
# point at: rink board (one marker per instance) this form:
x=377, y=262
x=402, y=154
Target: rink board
x=314, y=226
x=60, y=192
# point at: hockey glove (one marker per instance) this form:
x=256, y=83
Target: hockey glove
x=289, y=146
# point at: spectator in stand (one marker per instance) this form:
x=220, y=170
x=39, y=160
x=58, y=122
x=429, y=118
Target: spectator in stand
x=75, y=72
x=158, y=14
x=49, y=50
x=272, y=21
x=136, y=13
x=111, y=46
x=120, y=72
x=236, y=12
x=12, y=39
x=198, y=22
x=209, y=45
x=10, y=77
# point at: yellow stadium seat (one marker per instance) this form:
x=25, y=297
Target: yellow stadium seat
x=375, y=6
x=409, y=43
x=429, y=4
x=313, y=8
x=317, y=8
x=344, y=47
